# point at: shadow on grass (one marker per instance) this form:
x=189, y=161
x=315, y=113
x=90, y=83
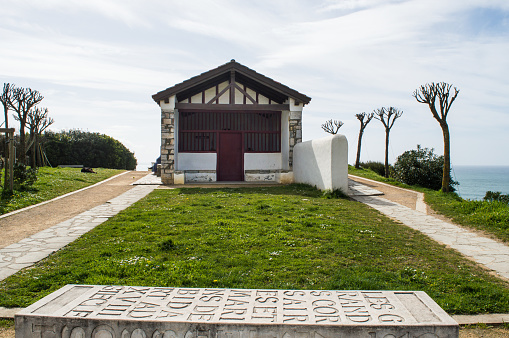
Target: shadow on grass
x=295, y=189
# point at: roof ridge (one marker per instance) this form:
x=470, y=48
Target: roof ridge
x=223, y=69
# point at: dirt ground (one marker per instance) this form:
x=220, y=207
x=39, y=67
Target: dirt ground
x=29, y=222
x=401, y=196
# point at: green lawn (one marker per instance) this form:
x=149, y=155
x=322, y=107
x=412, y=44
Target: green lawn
x=490, y=217
x=51, y=183
x=273, y=237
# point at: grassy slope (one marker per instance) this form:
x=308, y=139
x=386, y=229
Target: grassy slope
x=277, y=237
x=491, y=217
x=51, y=183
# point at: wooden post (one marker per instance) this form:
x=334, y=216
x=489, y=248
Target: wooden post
x=9, y=134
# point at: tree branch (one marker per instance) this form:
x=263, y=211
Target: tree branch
x=332, y=127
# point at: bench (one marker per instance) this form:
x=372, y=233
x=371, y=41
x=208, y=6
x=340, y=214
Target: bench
x=77, y=311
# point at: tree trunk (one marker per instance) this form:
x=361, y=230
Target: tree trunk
x=358, y=158
x=34, y=152
x=6, y=171
x=22, y=145
x=38, y=157
x=446, y=176
x=387, y=153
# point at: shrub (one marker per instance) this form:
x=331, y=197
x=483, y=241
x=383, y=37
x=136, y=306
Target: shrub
x=23, y=177
x=421, y=167
x=492, y=196
x=377, y=167
x=88, y=149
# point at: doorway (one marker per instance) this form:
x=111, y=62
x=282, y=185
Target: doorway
x=230, y=157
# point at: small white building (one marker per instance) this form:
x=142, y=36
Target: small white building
x=229, y=124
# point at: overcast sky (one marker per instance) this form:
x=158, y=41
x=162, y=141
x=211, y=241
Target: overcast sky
x=98, y=62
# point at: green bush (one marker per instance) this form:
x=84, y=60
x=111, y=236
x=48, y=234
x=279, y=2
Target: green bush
x=23, y=177
x=88, y=149
x=377, y=167
x=492, y=196
x=421, y=167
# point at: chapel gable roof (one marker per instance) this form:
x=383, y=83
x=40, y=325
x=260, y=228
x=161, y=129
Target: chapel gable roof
x=243, y=75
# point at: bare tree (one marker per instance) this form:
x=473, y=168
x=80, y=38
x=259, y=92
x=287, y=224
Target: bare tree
x=6, y=99
x=37, y=122
x=332, y=127
x=23, y=100
x=361, y=117
x=428, y=94
x=387, y=116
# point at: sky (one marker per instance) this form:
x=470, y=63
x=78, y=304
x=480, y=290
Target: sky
x=98, y=62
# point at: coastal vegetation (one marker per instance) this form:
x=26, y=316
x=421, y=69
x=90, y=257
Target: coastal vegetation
x=268, y=237
x=421, y=167
x=93, y=150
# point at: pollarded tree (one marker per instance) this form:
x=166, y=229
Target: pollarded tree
x=23, y=100
x=6, y=99
x=37, y=121
x=364, y=123
x=428, y=94
x=387, y=116
x=332, y=127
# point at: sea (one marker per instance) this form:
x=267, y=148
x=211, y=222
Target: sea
x=476, y=180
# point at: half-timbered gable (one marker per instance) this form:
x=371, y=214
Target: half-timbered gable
x=229, y=124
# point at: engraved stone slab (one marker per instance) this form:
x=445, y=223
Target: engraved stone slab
x=77, y=311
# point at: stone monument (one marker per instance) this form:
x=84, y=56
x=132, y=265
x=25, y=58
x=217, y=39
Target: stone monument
x=79, y=311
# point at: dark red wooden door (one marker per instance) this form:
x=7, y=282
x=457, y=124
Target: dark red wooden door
x=230, y=161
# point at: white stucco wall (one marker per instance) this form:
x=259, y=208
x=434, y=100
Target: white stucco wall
x=196, y=161
x=322, y=163
x=262, y=161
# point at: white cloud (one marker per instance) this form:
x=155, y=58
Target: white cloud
x=104, y=59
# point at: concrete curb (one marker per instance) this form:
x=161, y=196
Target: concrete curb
x=62, y=196
x=494, y=318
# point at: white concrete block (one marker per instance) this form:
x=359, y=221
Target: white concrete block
x=123, y=311
x=322, y=163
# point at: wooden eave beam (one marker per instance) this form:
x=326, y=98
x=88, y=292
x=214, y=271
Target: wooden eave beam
x=239, y=107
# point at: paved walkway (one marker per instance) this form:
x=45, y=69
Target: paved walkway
x=483, y=250
x=32, y=249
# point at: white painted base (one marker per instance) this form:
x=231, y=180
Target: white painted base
x=286, y=178
x=179, y=178
x=269, y=177
x=200, y=177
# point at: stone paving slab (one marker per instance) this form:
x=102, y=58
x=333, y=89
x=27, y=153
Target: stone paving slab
x=38, y=246
x=483, y=250
x=358, y=189
x=150, y=179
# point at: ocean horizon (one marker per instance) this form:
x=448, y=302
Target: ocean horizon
x=476, y=180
